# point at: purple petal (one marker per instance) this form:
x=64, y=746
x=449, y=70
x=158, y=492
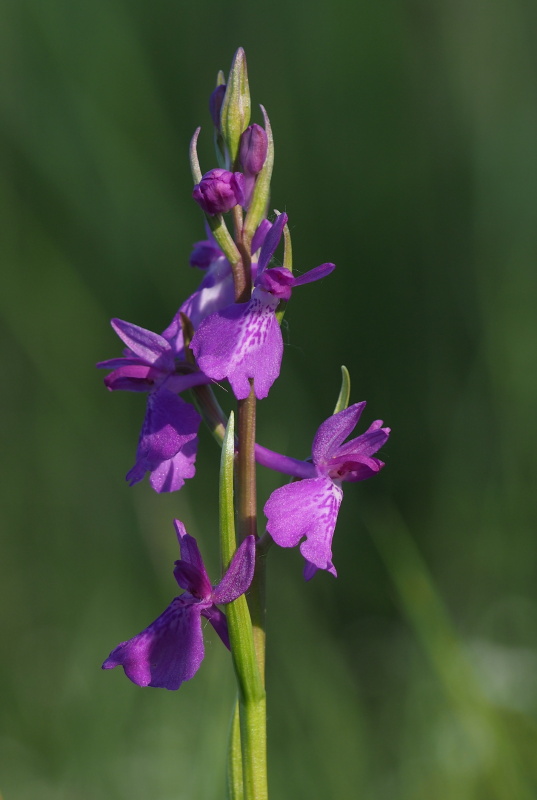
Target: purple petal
x=143, y=343
x=239, y=574
x=243, y=341
x=188, y=547
x=260, y=234
x=122, y=361
x=310, y=570
x=215, y=292
x=204, y=254
x=170, y=475
x=180, y=383
x=193, y=580
x=346, y=468
x=169, y=424
x=271, y=242
x=167, y=446
x=333, y=432
x=285, y=464
x=307, y=508
x=278, y=281
x=315, y=274
x=218, y=620
x=132, y=378
x=367, y=443
x=200, y=584
x=166, y=653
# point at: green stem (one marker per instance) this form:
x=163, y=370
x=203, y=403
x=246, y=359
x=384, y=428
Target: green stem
x=252, y=702
x=235, y=784
x=247, y=519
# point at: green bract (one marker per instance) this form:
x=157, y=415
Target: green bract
x=235, y=114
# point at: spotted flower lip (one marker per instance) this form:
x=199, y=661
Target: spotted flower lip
x=305, y=512
x=170, y=650
x=243, y=341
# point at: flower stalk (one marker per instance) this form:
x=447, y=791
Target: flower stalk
x=252, y=700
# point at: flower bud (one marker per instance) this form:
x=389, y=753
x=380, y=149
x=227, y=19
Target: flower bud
x=215, y=104
x=219, y=191
x=253, y=149
x=235, y=112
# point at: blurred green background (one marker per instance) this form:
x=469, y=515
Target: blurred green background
x=405, y=152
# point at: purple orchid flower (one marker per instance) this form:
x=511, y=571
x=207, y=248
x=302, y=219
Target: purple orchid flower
x=306, y=511
x=168, y=439
x=244, y=340
x=156, y=364
x=148, y=363
x=171, y=649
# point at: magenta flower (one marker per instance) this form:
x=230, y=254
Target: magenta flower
x=171, y=649
x=244, y=340
x=156, y=364
x=306, y=511
x=219, y=191
x=168, y=439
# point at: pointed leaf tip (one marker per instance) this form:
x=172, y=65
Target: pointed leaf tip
x=344, y=392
